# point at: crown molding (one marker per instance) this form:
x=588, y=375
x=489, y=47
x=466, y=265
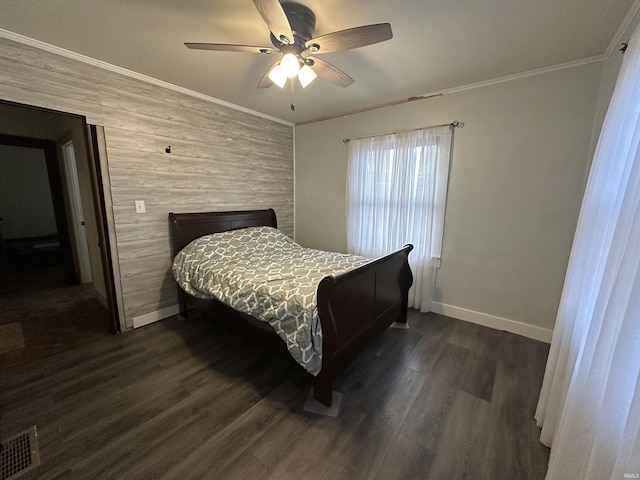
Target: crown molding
x=462, y=88
x=32, y=42
x=518, y=76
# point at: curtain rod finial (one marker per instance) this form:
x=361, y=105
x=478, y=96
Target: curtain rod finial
x=346, y=140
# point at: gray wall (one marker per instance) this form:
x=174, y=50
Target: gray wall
x=515, y=191
x=26, y=206
x=221, y=159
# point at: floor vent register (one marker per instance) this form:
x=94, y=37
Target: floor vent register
x=19, y=454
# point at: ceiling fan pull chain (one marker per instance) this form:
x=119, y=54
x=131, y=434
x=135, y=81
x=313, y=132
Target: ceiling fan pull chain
x=293, y=107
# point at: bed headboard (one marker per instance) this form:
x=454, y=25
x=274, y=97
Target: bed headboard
x=186, y=227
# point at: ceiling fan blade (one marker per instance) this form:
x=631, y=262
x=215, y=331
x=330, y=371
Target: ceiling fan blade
x=329, y=72
x=228, y=47
x=275, y=18
x=350, y=38
x=265, y=81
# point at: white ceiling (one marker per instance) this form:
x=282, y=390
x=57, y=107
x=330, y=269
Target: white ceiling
x=437, y=44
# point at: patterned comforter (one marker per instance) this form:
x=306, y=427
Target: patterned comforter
x=262, y=272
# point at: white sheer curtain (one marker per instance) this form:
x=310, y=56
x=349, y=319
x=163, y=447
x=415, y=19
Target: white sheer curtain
x=396, y=194
x=589, y=406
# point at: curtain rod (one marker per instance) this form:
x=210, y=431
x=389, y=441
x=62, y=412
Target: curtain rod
x=454, y=124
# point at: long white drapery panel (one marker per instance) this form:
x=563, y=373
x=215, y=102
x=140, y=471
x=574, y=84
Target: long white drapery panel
x=396, y=194
x=589, y=406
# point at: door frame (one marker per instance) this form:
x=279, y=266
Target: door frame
x=98, y=189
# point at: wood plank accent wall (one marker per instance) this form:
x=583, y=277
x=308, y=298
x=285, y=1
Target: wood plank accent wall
x=220, y=158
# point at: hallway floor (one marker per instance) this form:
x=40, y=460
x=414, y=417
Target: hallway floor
x=40, y=315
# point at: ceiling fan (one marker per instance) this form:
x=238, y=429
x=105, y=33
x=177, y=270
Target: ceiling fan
x=292, y=25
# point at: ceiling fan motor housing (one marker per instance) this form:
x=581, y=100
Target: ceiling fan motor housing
x=302, y=21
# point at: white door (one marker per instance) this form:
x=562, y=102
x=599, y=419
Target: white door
x=83, y=263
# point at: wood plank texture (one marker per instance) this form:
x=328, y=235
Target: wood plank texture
x=221, y=159
x=194, y=400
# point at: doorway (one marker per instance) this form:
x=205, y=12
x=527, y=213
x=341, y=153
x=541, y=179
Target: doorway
x=56, y=284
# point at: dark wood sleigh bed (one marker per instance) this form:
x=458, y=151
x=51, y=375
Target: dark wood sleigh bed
x=354, y=307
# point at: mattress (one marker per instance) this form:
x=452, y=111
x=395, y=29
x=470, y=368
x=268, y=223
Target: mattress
x=262, y=272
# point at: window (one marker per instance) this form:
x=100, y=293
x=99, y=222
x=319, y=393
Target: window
x=396, y=194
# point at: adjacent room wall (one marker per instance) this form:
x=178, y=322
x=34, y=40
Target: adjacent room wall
x=515, y=190
x=25, y=213
x=220, y=159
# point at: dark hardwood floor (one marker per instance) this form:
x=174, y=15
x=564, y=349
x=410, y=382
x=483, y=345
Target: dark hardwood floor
x=191, y=399
x=41, y=315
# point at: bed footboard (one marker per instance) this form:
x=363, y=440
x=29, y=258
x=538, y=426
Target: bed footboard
x=355, y=307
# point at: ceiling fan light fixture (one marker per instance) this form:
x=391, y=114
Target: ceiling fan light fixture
x=290, y=65
x=306, y=75
x=278, y=76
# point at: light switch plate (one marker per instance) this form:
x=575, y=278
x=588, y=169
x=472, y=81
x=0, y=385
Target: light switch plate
x=140, y=208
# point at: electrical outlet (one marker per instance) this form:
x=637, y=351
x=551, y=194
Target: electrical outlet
x=140, y=208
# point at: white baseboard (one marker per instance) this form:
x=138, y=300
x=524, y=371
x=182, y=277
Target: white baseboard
x=151, y=317
x=498, y=323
